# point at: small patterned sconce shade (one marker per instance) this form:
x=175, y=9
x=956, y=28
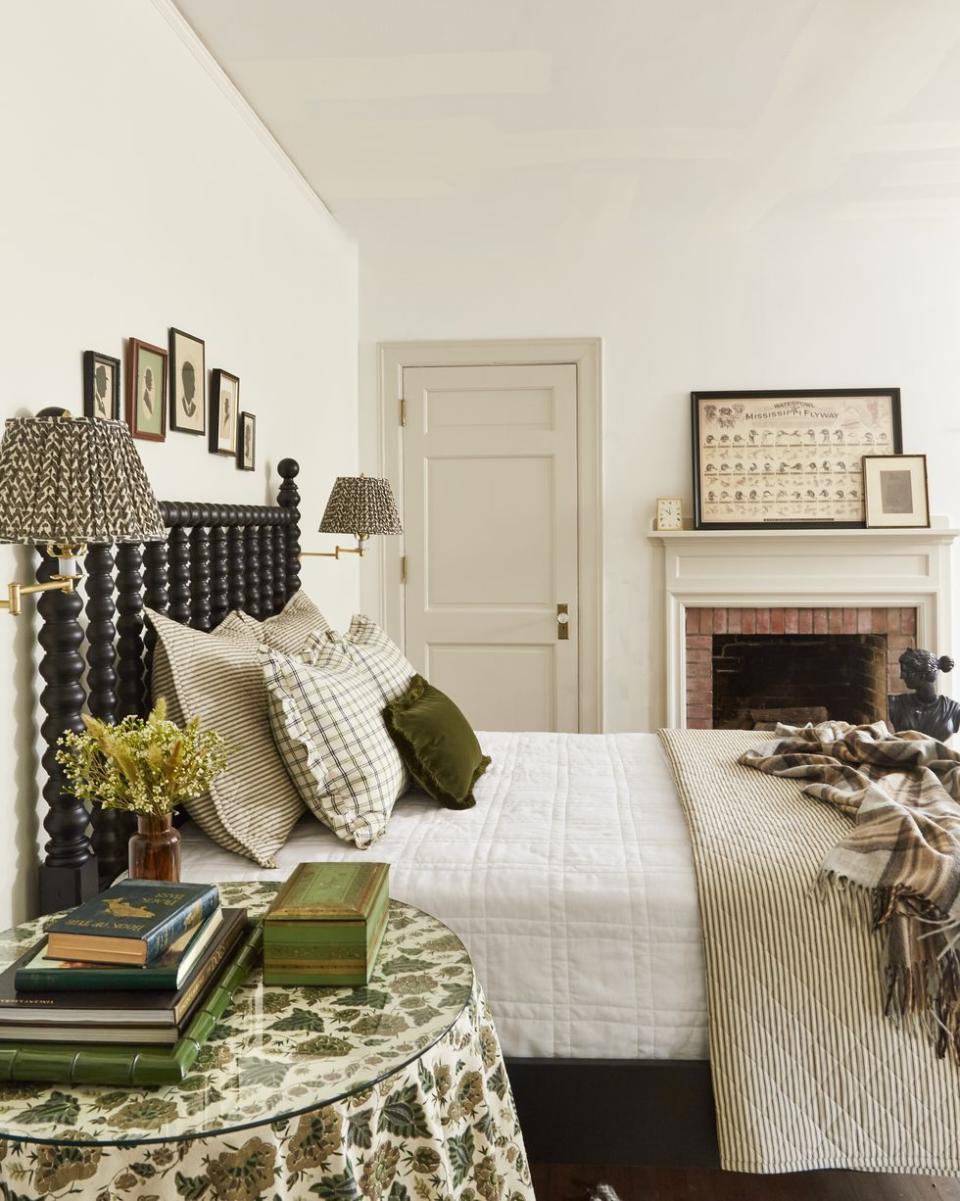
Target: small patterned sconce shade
x=68, y=481
x=361, y=505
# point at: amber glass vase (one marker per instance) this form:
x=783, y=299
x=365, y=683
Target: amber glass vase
x=154, y=851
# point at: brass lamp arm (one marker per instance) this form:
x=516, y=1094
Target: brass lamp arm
x=337, y=550
x=67, y=555
x=15, y=591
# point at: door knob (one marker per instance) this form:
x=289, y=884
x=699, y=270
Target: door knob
x=563, y=623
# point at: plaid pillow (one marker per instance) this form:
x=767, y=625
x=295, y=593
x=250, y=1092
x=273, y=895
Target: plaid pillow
x=366, y=648
x=329, y=729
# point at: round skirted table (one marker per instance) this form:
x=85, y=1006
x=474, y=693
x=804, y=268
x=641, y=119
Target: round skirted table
x=395, y=1091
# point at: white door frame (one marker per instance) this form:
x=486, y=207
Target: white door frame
x=585, y=355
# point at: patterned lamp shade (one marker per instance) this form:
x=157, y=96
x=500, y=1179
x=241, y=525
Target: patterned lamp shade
x=361, y=505
x=66, y=481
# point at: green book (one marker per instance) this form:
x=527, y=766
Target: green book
x=326, y=924
x=59, y=1063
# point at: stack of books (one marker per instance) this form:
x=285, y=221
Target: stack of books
x=125, y=988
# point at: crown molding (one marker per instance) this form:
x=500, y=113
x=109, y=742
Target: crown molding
x=188, y=35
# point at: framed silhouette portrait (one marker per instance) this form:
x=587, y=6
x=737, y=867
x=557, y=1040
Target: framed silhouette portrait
x=224, y=412
x=101, y=386
x=247, y=442
x=147, y=391
x=188, y=383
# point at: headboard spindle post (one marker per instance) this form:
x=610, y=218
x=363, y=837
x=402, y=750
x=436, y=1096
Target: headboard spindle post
x=68, y=874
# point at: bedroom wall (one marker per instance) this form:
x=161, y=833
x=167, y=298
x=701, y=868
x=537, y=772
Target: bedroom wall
x=837, y=300
x=140, y=193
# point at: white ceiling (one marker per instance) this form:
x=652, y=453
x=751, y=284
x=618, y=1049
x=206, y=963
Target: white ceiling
x=474, y=115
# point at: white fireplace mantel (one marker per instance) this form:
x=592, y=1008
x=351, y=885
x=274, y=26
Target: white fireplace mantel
x=803, y=569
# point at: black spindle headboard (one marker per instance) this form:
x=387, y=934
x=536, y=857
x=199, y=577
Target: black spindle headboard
x=216, y=558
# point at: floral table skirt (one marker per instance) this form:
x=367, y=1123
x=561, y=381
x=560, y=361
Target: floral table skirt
x=443, y=1128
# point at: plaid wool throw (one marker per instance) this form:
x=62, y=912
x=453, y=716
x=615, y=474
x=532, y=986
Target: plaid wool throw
x=902, y=792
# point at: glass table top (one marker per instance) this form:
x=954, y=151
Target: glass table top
x=278, y=1050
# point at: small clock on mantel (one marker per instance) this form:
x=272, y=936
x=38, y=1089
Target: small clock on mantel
x=669, y=513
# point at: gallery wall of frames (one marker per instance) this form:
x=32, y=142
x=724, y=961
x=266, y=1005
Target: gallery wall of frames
x=166, y=388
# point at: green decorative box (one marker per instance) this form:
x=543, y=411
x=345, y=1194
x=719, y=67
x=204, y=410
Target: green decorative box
x=326, y=924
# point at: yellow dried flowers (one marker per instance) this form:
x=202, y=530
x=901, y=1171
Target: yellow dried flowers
x=146, y=765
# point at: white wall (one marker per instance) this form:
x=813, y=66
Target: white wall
x=137, y=195
x=816, y=302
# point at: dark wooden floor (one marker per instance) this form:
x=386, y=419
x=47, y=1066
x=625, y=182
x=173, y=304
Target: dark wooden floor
x=562, y=1182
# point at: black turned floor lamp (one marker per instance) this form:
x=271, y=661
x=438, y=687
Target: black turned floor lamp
x=67, y=484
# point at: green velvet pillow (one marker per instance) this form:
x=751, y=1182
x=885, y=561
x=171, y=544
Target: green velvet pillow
x=436, y=744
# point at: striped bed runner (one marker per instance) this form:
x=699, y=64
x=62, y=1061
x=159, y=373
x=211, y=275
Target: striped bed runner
x=807, y=1072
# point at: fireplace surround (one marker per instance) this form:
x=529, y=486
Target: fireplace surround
x=774, y=583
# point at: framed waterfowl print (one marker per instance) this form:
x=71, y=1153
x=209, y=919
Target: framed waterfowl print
x=791, y=459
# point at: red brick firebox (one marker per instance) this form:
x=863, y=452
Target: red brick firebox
x=899, y=626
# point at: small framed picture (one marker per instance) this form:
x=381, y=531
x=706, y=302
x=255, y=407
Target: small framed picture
x=101, y=386
x=247, y=439
x=224, y=407
x=147, y=391
x=895, y=490
x=188, y=383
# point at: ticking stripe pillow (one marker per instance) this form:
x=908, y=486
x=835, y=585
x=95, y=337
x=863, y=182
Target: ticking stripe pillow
x=288, y=630
x=367, y=648
x=329, y=727
x=252, y=807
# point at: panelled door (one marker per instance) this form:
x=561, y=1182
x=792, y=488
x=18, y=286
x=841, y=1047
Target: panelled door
x=490, y=515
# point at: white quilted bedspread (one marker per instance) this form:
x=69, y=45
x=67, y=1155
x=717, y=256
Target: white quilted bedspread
x=571, y=883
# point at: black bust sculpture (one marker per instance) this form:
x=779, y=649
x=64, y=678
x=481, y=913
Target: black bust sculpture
x=923, y=708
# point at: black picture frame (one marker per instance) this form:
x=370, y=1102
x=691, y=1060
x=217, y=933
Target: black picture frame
x=93, y=361
x=180, y=420
x=893, y=463
x=891, y=396
x=217, y=445
x=246, y=421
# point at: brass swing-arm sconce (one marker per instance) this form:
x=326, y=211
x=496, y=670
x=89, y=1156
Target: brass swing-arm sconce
x=63, y=581
x=358, y=505
x=68, y=482
x=337, y=550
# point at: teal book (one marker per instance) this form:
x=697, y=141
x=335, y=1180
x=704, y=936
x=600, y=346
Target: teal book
x=170, y=971
x=133, y=1066
x=133, y=922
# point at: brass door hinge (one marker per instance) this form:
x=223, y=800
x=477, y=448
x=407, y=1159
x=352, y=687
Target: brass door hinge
x=403, y=411
x=403, y=569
